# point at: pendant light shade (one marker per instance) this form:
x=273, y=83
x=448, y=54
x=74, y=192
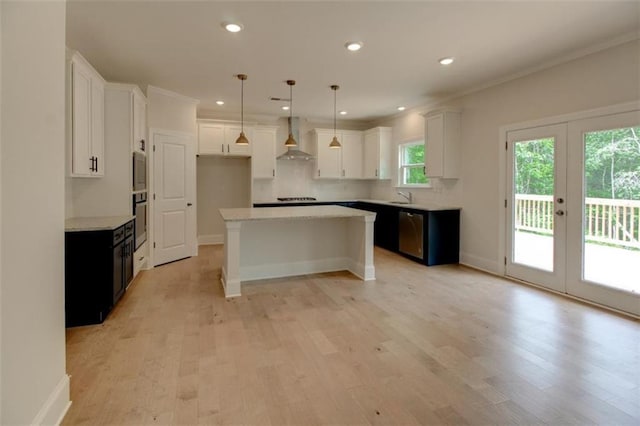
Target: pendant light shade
x=334, y=142
x=242, y=139
x=290, y=140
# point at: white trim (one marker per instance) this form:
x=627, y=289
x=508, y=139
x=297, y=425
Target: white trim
x=210, y=239
x=481, y=264
x=166, y=92
x=126, y=87
x=291, y=269
x=56, y=406
x=616, y=41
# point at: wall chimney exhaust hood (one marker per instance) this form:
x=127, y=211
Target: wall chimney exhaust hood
x=292, y=153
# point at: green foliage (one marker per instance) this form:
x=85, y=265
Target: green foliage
x=414, y=154
x=534, y=167
x=415, y=175
x=612, y=165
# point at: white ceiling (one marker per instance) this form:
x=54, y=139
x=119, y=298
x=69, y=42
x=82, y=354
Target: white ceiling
x=180, y=46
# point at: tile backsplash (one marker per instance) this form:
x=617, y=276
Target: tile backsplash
x=295, y=179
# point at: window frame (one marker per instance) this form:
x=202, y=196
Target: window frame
x=402, y=167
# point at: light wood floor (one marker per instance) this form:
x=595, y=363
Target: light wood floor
x=438, y=345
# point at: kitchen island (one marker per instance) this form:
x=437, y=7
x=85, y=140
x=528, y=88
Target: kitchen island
x=276, y=242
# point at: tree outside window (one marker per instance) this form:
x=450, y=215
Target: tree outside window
x=411, y=164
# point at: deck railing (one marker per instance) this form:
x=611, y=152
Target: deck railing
x=607, y=221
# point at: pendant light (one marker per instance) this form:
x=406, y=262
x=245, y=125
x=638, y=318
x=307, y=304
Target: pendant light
x=242, y=139
x=334, y=143
x=290, y=140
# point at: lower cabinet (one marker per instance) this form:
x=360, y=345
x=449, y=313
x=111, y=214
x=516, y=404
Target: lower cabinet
x=98, y=268
x=440, y=232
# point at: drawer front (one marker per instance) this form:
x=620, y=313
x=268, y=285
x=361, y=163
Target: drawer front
x=128, y=229
x=118, y=235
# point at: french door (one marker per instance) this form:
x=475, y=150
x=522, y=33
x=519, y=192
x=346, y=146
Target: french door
x=573, y=198
x=536, y=243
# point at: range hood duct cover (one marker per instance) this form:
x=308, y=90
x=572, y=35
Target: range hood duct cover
x=293, y=153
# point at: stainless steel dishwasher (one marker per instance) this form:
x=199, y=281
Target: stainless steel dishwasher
x=410, y=234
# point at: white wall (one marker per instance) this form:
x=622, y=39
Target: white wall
x=171, y=111
x=222, y=182
x=34, y=386
x=604, y=78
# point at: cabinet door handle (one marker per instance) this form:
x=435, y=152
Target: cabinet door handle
x=318, y=172
x=222, y=146
x=141, y=144
x=376, y=172
x=228, y=149
x=96, y=165
x=189, y=204
x=274, y=172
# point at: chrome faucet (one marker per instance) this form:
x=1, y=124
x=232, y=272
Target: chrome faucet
x=407, y=196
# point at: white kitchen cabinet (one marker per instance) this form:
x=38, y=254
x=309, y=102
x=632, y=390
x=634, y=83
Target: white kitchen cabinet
x=328, y=160
x=263, y=160
x=220, y=139
x=377, y=153
x=442, y=144
x=85, y=115
x=351, y=154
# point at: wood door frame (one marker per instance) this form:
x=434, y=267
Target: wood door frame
x=151, y=188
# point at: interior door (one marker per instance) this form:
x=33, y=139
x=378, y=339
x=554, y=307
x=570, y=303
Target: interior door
x=174, y=197
x=603, y=232
x=536, y=205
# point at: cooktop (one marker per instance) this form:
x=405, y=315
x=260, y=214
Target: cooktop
x=296, y=199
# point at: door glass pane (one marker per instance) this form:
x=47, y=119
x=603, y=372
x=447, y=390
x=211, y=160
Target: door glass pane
x=533, y=203
x=612, y=208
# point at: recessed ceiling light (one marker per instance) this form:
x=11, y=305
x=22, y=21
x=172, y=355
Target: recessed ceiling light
x=285, y=107
x=343, y=112
x=353, y=46
x=446, y=61
x=232, y=27
x=401, y=108
x=220, y=102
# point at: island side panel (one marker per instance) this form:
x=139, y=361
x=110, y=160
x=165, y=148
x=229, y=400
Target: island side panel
x=361, y=247
x=281, y=248
x=230, y=276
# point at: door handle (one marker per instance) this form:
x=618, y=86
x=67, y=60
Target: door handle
x=560, y=212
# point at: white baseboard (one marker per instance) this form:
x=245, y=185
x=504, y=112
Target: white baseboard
x=204, y=240
x=56, y=406
x=259, y=272
x=481, y=263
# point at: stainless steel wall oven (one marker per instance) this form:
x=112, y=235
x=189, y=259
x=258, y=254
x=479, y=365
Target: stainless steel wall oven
x=140, y=212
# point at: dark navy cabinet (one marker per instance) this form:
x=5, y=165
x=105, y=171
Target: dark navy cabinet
x=98, y=268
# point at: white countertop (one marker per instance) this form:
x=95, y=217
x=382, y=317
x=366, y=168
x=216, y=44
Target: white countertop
x=303, y=212
x=106, y=223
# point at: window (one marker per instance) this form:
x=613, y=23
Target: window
x=411, y=164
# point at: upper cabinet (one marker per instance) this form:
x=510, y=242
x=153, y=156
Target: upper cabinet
x=338, y=163
x=328, y=160
x=215, y=138
x=442, y=144
x=351, y=154
x=377, y=153
x=85, y=118
x=263, y=161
